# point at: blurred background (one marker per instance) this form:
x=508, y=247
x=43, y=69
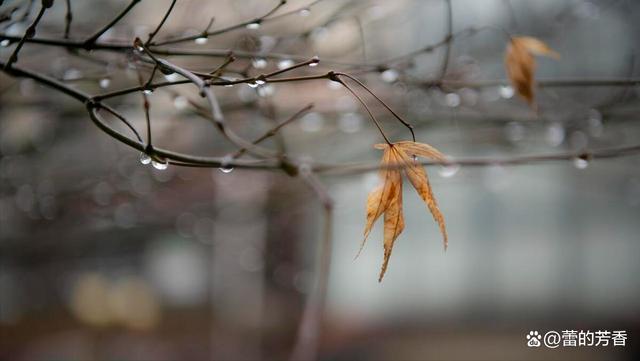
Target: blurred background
x=103, y=258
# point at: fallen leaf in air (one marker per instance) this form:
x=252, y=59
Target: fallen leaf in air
x=399, y=158
x=520, y=64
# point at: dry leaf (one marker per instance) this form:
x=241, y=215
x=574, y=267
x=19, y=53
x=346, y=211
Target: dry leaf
x=521, y=64
x=398, y=158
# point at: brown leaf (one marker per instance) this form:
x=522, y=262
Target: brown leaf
x=387, y=199
x=418, y=178
x=520, y=64
x=379, y=199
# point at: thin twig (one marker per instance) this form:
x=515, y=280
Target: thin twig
x=306, y=346
x=89, y=43
x=164, y=18
x=273, y=131
x=29, y=33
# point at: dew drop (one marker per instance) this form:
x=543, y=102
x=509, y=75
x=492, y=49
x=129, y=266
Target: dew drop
x=104, y=83
x=201, y=40
x=139, y=48
x=172, y=77
x=580, y=162
x=350, y=122
x=259, y=63
x=253, y=26
x=389, y=75
x=448, y=170
x=159, y=165
x=4, y=43
x=312, y=122
x=260, y=82
x=506, y=91
x=514, y=132
x=333, y=85
x=595, y=123
x=304, y=12
x=147, y=91
x=266, y=90
x=555, y=134
x=452, y=100
x=224, y=165
x=314, y=62
x=253, y=84
x=285, y=63
x=180, y=102
x=144, y=158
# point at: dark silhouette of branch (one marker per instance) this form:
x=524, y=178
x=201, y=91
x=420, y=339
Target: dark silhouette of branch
x=29, y=33
x=89, y=43
x=161, y=23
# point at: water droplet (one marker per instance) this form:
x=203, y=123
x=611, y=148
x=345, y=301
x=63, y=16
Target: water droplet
x=172, y=77
x=514, y=132
x=312, y=122
x=350, y=122
x=260, y=81
x=449, y=170
x=159, y=165
x=285, y=63
x=253, y=84
x=144, y=158
x=578, y=140
x=580, y=162
x=180, y=102
x=72, y=74
x=253, y=26
x=452, y=100
x=201, y=40
x=104, y=83
x=389, y=75
x=259, y=63
x=595, y=123
x=555, y=134
x=224, y=165
x=469, y=96
x=4, y=43
x=333, y=85
x=267, y=43
x=148, y=91
x=139, y=48
x=314, y=62
x=304, y=12
x=506, y=91
x=266, y=90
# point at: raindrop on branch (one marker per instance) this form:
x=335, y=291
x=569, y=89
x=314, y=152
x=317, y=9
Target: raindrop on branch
x=104, y=83
x=304, y=12
x=581, y=162
x=285, y=63
x=180, y=102
x=452, y=100
x=253, y=26
x=144, y=158
x=448, y=170
x=389, y=75
x=506, y=92
x=201, y=40
x=225, y=166
x=159, y=165
x=266, y=90
x=259, y=63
